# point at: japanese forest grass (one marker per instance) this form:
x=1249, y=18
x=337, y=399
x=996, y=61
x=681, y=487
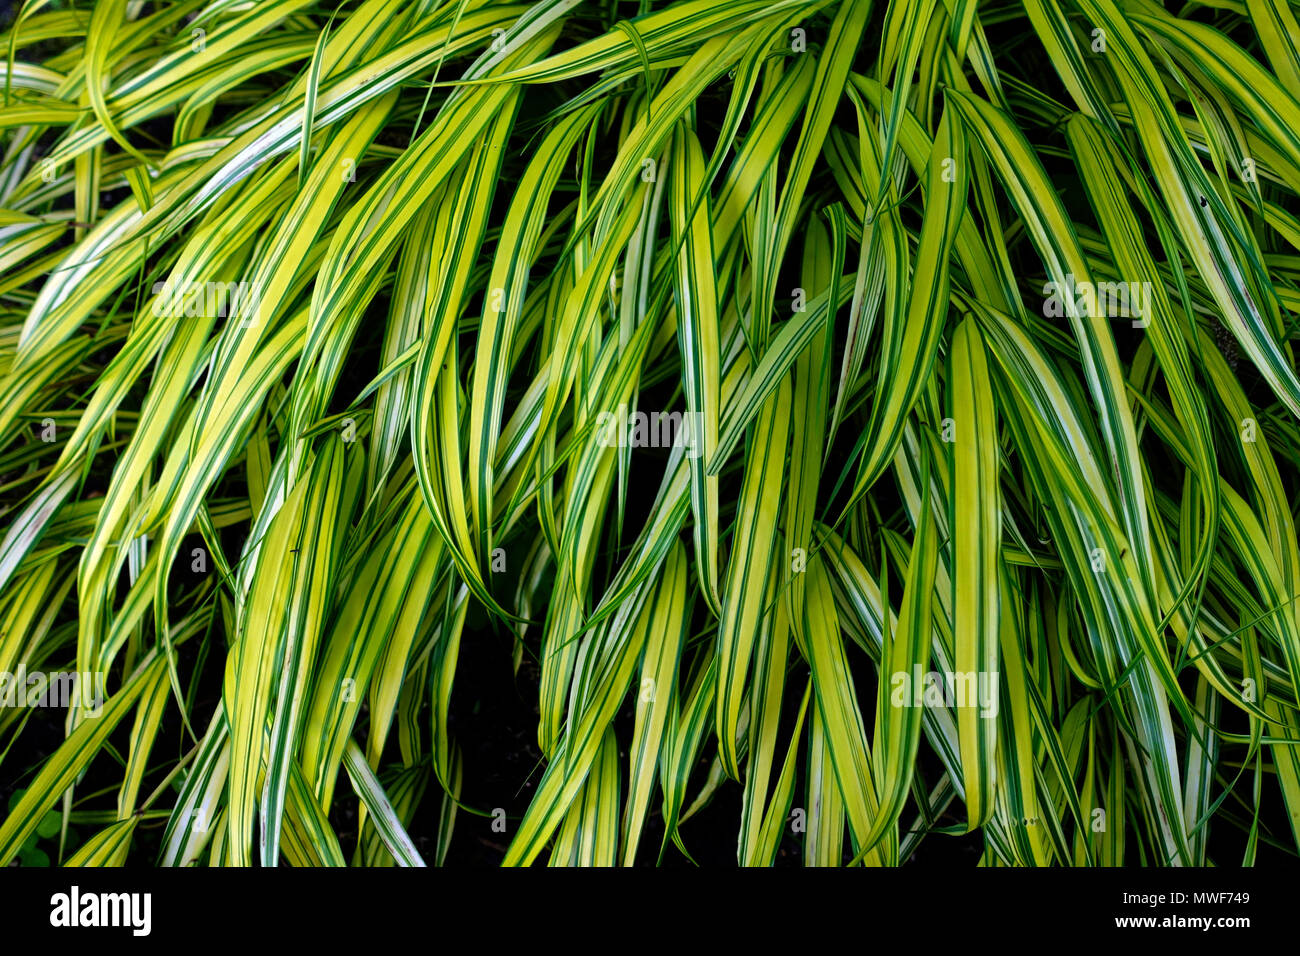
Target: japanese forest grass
x=851, y=429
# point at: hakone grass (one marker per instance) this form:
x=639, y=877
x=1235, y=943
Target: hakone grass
x=881, y=416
